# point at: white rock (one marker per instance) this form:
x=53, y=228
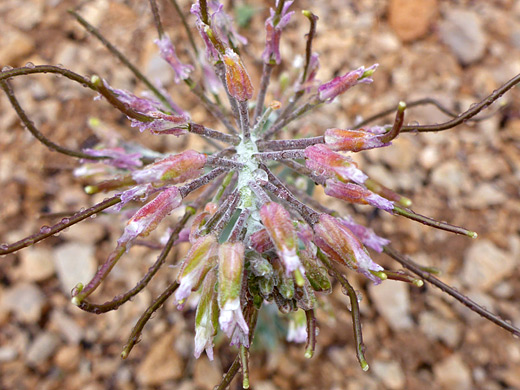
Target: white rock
x=25, y=300
x=452, y=177
x=74, y=263
x=392, y=301
x=485, y=195
x=37, y=264
x=42, y=348
x=462, y=32
x=485, y=265
x=439, y=328
x=390, y=373
x=452, y=373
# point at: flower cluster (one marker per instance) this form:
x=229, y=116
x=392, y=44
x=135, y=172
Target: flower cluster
x=256, y=238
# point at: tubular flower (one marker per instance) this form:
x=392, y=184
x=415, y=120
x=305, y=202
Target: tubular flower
x=206, y=318
x=173, y=169
x=223, y=24
x=324, y=161
x=148, y=217
x=208, y=35
x=230, y=271
x=353, y=140
x=167, y=50
x=163, y=123
x=237, y=79
x=354, y=193
x=278, y=223
x=273, y=28
x=366, y=235
x=327, y=92
x=341, y=245
x=200, y=259
x=119, y=157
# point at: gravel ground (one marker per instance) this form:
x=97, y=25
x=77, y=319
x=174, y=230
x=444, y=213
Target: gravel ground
x=457, y=51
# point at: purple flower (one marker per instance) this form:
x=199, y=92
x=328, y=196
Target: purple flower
x=167, y=50
x=148, y=217
x=366, y=235
x=163, y=124
x=273, y=27
x=224, y=25
x=212, y=52
x=119, y=157
x=342, y=246
x=354, y=193
x=327, y=92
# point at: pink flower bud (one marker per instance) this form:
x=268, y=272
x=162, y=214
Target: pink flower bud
x=342, y=246
x=182, y=71
x=237, y=79
x=324, y=161
x=273, y=30
x=211, y=51
x=199, y=260
x=278, y=223
x=353, y=140
x=230, y=271
x=173, y=169
x=327, y=92
x=148, y=217
x=260, y=241
x=354, y=193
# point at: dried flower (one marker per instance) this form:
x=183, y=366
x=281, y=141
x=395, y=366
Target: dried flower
x=327, y=92
x=273, y=27
x=237, y=79
x=167, y=50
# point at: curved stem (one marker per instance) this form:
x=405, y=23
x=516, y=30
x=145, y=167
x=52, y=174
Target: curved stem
x=138, y=328
x=466, y=115
x=419, y=271
x=137, y=73
x=123, y=298
x=186, y=27
x=157, y=18
x=63, y=224
x=36, y=133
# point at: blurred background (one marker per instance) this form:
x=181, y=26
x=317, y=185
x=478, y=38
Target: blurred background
x=455, y=51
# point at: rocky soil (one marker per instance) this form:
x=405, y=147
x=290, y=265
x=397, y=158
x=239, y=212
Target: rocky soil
x=457, y=51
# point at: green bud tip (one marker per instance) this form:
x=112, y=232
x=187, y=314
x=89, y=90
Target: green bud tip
x=298, y=278
x=401, y=106
x=76, y=301
x=245, y=383
x=367, y=73
x=406, y=202
x=380, y=274
x=96, y=80
x=418, y=282
x=364, y=366
x=90, y=190
x=309, y=353
x=472, y=234
x=307, y=13
x=124, y=354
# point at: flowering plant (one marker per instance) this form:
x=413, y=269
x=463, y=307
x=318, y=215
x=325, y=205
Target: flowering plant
x=255, y=237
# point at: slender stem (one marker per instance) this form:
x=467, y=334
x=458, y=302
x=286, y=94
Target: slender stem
x=186, y=189
x=284, y=144
x=204, y=11
x=123, y=298
x=137, y=73
x=356, y=322
x=186, y=27
x=276, y=187
x=48, y=231
x=418, y=270
x=401, y=276
x=431, y=222
x=214, y=134
x=157, y=18
x=223, y=162
x=210, y=106
x=244, y=120
x=398, y=124
x=311, y=333
x=226, y=213
x=220, y=71
x=303, y=170
x=264, y=84
x=303, y=109
x=259, y=192
x=36, y=133
x=96, y=84
x=244, y=363
x=138, y=328
x=240, y=228
x=466, y=115
x=283, y=155
x=230, y=374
